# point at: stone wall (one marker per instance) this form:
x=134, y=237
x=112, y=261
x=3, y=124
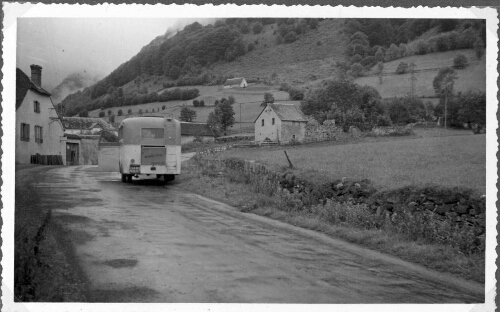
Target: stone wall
x=315, y=132
x=458, y=207
x=394, y=130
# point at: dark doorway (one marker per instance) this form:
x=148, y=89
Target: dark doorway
x=72, y=153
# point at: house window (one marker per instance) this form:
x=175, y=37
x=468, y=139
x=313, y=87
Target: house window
x=262, y=122
x=273, y=121
x=36, y=106
x=25, y=132
x=38, y=134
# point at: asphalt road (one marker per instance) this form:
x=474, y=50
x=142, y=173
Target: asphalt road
x=147, y=242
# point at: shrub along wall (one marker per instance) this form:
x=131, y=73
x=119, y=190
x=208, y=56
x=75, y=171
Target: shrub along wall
x=437, y=215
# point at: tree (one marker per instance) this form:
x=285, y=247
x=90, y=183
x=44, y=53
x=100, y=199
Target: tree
x=213, y=122
x=120, y=112
x=129, y=111
x=290, y=37
x=443, y=85
x=460, y=61
x=223, y=116
x=402, y=68
x=102, y=114
x=380, y=70
x=479, y=48
x=109, y=112
x=83, y=113
x=112, y=118
x=257, y=27
x=268, y=98
x=187, y=114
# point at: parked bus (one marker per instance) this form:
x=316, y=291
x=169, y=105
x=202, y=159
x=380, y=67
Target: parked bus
x=148, y=145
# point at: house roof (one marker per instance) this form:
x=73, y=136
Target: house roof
x=84, y=123
x=233, y=81
x=285, y=112
x=196, y=129
x=23, y=84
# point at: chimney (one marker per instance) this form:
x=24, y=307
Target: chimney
x=36, y=75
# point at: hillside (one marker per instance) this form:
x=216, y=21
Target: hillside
x=201, y=55
x=473, y=77
x=250, y=99
x=269, y=52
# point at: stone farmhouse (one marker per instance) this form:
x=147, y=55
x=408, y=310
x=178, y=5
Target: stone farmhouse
x=281, y=123
x=192, y=130
x=39, y=131
x=83, y=134
x=235, y=83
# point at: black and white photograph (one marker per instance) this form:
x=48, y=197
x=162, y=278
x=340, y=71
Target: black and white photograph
x=245, y=158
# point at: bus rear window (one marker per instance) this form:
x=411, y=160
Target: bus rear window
x=152, y=133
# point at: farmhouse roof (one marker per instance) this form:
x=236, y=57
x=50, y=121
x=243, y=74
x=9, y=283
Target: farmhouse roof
x=85, y=123
x=285, y=112
x=23, y=84
x=233, y=81
x=196, y=129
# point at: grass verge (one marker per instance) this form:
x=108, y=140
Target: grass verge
x=236, y=191
x=42, y=270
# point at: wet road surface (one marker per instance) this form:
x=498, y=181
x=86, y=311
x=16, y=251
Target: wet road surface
x=147, y=242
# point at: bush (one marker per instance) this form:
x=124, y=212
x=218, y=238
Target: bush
x=369, y=61
x=421, y=48
x=196, y=103
x=442, y=43
x=460, y=61
x=404, y=110
x=202, y=103
x=356, y=70
x=257, y=27
x=120, y=112
x=402, y=68
x=479, y=48
x=102, y=114
x=163, y=107
x=129, y=111
x=290, y=37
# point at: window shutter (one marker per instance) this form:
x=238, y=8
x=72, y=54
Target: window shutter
x=27, y=126
x=41, y=134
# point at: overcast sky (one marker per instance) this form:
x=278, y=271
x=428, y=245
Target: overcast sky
x=86, y=46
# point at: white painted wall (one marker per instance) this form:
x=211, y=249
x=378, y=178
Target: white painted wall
x=52, y=129
x=273, y=132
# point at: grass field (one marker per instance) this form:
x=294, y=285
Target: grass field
x=471, y=78
x=250, y=99
x=458, y=160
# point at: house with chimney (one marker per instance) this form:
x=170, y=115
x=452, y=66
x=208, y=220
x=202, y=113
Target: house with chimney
x=39, y=131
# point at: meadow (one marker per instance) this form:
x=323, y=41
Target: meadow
x=457, y=160
x=471, y=78
x=250, y=99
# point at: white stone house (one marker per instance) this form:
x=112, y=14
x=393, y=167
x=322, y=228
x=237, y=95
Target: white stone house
x=38, y=128
x=281, y=123
x=235, y=82
x=192, y=130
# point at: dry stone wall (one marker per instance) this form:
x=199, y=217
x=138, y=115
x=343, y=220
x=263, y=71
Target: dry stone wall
x=457, y=206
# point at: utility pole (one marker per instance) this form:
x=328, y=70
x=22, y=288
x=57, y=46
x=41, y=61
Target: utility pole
x=449, y=81
x=413, y=79
x=240, y=117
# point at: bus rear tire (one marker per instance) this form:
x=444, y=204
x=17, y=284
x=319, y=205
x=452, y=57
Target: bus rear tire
x=168, y=177
x=124, y=178
x=129, y=178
